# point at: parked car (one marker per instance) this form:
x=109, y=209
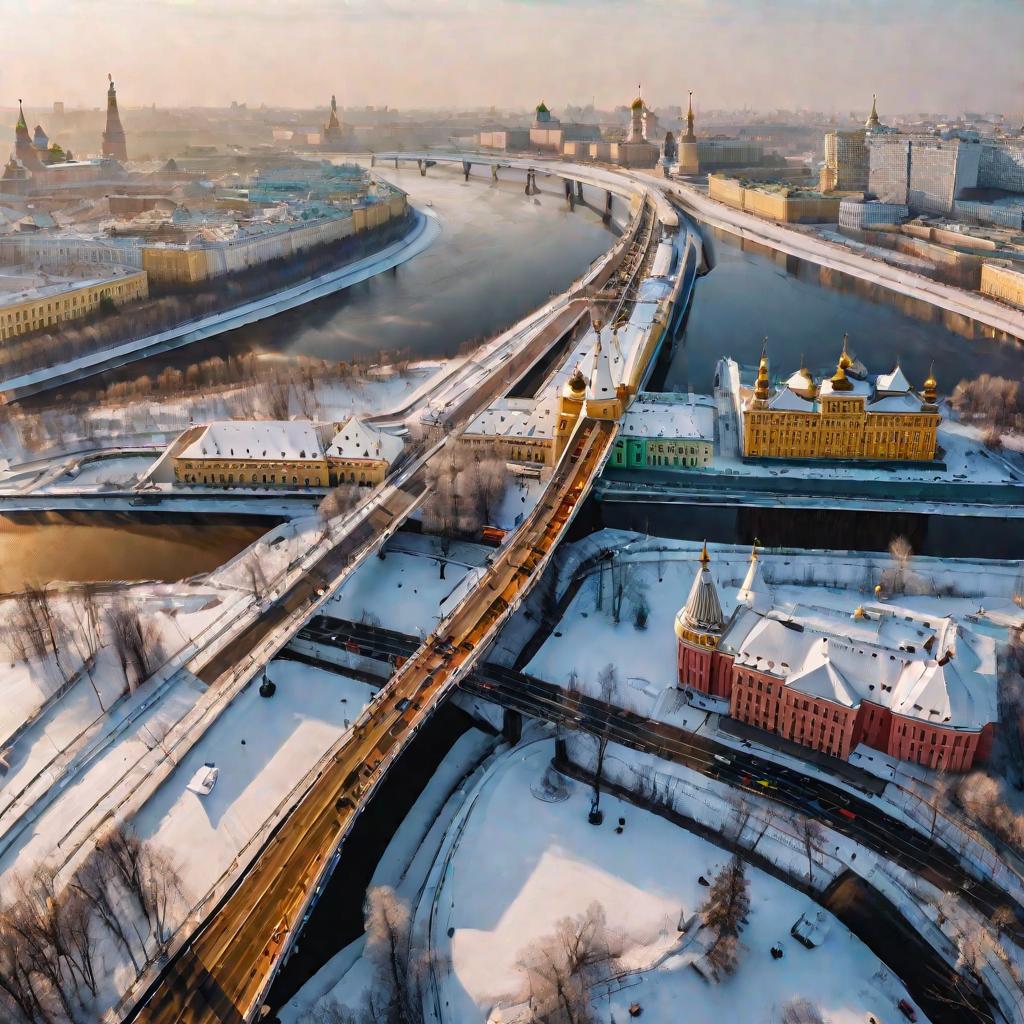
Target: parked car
x=906, y=1009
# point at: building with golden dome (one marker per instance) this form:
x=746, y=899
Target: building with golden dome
x=845, y=416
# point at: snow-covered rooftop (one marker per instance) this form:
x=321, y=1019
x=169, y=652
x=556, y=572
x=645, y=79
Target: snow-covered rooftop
x=517, y=417
x=918, y=667
x=356, y=439
x=256, y=439
x=651, y=418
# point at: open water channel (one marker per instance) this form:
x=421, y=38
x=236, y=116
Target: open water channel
x=500, y=254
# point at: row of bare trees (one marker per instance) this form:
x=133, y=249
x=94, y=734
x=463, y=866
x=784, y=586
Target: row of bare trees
x=69, y=633
x=52, y=934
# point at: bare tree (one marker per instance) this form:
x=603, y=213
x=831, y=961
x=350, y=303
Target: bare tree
x=400, y=966
x=21, y=998
x=255, y=577
x=813, y=837
x=740, y=813
x=562, y=969
x=135, y=642
x=341, y=499
x=626, y=585
x=901, y=553
x=96, y=884
x=145, y=873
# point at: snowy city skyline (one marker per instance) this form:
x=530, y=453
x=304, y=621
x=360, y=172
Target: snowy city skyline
x=918, y=55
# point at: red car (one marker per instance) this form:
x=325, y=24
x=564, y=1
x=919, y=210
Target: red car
x=906, y=1009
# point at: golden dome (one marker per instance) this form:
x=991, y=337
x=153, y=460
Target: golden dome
x=840, y=382
x=845, y=362
x=577, y=383
x=638, y=103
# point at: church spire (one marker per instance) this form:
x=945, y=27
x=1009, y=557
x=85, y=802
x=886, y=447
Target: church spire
x=872, y=121
x=114, y=145
x=22, y=124
x=762, y=389
x=700, y=620
x=753, y=592
x=689, y=136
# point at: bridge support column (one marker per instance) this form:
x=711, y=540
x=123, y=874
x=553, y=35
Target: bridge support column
x=579, y=190
x=512, y=726
x=423, y=168
x=570, y=197
x=607, y=215
x=373, y=159
x=494, y=172
x=531, y=182
x=396, y=163
x=466, y=167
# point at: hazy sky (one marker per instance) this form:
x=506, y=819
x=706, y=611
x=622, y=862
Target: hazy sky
x=824, y=54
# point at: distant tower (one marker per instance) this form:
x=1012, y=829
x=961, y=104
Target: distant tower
x=762, y=389
x=636, y=124
x=24, y=151
x=570, y=405
x=113, y=135
x=689, y=136
x=872, y=122
x=930, y=394
x=334, y=132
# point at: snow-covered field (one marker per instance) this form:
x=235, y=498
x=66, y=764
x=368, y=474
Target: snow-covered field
x=261, y=747
x=404, y=591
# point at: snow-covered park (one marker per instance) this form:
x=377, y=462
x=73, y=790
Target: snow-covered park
x=513, y=865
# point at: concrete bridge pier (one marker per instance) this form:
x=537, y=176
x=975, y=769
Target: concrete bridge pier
x=531, y=182
x=373, y=160
x=570, y=195
x=421, y=164
x=607, y=215
x=396, y=163
x=494, y=172
x=512, y=726
x=466, y=168
x=579, y=190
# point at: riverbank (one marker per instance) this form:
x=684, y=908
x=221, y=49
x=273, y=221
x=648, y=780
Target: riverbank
x=1002, y=320
x=424, y=231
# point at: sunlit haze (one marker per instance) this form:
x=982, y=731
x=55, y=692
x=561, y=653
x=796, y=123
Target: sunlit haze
x=792, y=54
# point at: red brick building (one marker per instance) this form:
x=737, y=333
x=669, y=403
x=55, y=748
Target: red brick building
x=916, y=688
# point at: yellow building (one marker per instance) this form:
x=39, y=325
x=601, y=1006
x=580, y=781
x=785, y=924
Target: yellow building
x=1003, y=283
x=254, y=453
x=786, y=203
x=175, y=264
x=844, y=417
x=284, y=454
x=361, y=454
x=39, y=303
